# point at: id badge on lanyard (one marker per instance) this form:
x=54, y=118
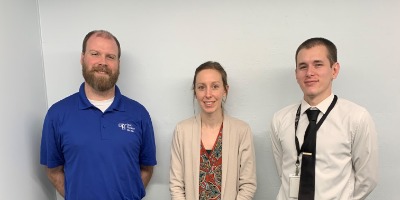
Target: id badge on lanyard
x=294, y=184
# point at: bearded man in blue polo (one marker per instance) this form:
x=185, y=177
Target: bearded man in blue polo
x=97, y=144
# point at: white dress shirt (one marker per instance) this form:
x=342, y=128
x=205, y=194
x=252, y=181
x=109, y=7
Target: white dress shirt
x=346, y=150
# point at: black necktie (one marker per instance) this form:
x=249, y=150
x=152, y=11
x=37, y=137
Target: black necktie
x=307, y=177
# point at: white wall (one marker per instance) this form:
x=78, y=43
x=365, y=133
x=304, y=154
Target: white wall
x=164, y=41
x=23, y=103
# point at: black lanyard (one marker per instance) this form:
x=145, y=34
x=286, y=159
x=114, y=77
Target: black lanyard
x=296, y=123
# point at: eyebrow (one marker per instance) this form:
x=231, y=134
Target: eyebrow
x=314, y=62
x=302, y=63
x=318, y=61
x=97, y=51
x=214, y=82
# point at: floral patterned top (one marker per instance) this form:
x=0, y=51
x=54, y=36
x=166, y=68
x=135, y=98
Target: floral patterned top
x=211, y=170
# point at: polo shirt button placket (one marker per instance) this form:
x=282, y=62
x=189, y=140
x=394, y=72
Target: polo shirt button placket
x=103, y=128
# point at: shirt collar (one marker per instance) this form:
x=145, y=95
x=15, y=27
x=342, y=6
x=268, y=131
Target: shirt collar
x=84, y=102
x=323, y=106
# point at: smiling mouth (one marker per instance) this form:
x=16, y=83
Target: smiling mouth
x=208, y=103
x=310, y=82
x=104, y=72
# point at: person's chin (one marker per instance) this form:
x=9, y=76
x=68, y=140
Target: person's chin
x=310, y=91
x=208, y=110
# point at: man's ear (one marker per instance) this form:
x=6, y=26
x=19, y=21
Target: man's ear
x=82, y=55
x=335, y=70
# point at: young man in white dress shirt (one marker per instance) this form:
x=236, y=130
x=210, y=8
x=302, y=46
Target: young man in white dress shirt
x=346, y=156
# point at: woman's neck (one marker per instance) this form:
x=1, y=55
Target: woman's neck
x=212, y=120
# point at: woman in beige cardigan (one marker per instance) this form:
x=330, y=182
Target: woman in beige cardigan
x=212, y=154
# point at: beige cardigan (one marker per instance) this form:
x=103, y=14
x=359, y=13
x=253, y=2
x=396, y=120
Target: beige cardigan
x=238, y=160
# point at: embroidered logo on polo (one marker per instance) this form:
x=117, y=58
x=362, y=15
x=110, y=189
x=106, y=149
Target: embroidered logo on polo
x=126, y=127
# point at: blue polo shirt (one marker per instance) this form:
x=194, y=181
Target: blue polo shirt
x=101, y=152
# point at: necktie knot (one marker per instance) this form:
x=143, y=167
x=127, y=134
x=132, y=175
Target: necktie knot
x=312, y=114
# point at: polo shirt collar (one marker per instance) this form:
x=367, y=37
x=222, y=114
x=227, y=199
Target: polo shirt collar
x=117, y=103
x=323, y=106
x=84, y=102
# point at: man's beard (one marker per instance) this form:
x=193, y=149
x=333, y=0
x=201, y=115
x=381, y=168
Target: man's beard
x=100, y=83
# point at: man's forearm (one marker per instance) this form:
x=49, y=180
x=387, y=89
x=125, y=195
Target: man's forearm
x=56, y=177
x=146, y=172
